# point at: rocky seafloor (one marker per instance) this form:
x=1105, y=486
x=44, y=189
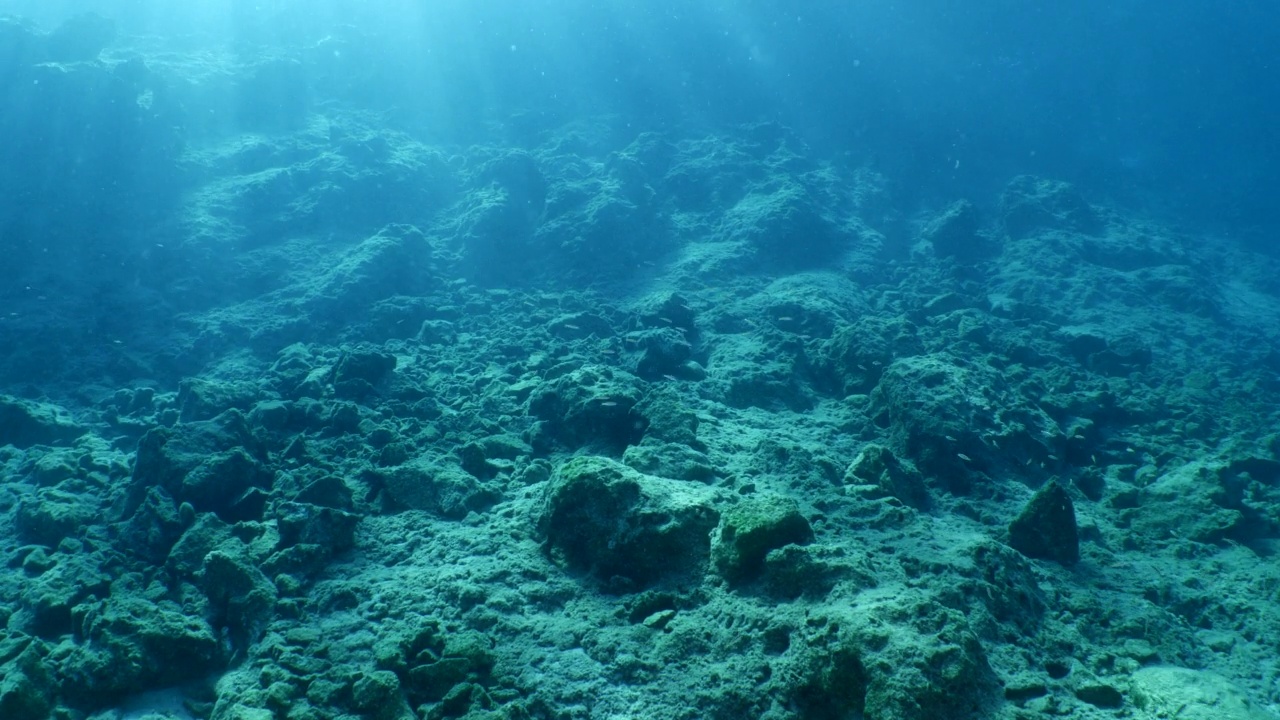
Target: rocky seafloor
x=618, y=426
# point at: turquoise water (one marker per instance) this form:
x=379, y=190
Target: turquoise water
x=596, y=361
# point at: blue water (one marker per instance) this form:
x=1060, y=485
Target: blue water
x=581, y=359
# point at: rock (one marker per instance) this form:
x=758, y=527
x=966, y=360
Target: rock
x=786, y=226
x=954, y=233
x=24, y=423
x=670, y=420
x=665, y=309
x=624, y=528
x=132, y=644
x=878, y=473
x=200, y=399
x=331, y=529
x=52, y=514
x=27, y=688
x=1046, y=528
x=1203, y=501
x=747, y=371
x=591, y=407
x=359, y=373
x=794, y=571
x=216, y=465
x=48, y=599
x=240, y=595
x=80, y=38
x=852, y=360
x=1030, y=205
x=671, y=460
x=154, y=527
x=438, y=486
x=1100, y=695
x=750, y=529
x=1104, y=351
x=1163, y=691
x=666, y=351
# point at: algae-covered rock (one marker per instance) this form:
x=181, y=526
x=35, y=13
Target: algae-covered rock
x=666, y=351
x=954, y=233
x=240, y=594
x=876, y=472
x=132, y=644
x=895, y=655
x=217, y=465
x=1203, y=501
x=625, y=528
x=1046, y=527
x=315, y=524
x=48, y=600
x=51, y=514
x=436, y=485
x=27, y=687
x=852, y=359
x=591, y=407
x=24, y=423
x=1031, y=204
x=922, y=659
x=752, y=528
x=671, y=460
x=960, y=421
x=1164, y=691
x=754, y=372
x=786, y=227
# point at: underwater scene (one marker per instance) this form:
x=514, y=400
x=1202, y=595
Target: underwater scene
x=639, y=360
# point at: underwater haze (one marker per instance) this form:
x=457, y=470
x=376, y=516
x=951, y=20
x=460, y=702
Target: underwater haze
x=584, y=360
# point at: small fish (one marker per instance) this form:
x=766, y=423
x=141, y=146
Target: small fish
x=964, y=457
